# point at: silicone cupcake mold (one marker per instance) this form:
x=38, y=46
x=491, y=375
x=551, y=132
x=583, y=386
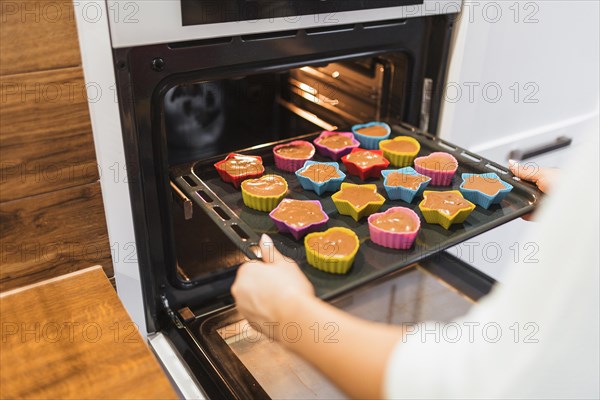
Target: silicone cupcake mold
x=371, y=134
x=484, y=189
x=236, y=168
x=264, y=193
x=439, y=166
x=335, y=145
x=401, y=150
x=299, y=217
x=399, y=187
x=332, y=251
x=320, y=177
x=292, y=156
x=445, y=208
x=395, y=228
x=357, y=201
x=365, y=163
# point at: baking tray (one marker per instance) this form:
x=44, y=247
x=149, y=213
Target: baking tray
x=224, y=204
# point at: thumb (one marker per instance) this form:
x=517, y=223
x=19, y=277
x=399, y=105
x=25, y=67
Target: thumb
x=270, y=254
x=527, y=171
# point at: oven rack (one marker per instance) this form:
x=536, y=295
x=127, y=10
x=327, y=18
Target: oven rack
x=200, y=184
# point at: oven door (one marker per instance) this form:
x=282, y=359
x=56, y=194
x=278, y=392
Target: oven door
x=233, y=359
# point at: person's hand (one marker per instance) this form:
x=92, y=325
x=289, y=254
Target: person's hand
x=544, y=178
x=265, y=290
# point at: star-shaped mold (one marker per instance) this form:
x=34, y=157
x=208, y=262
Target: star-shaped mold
x=445, y=208
x=320, y=177
x=404, y=183
x=357, y=201
x=236, y=168
x=299, y=217
x=484, y=189
x=365, y=163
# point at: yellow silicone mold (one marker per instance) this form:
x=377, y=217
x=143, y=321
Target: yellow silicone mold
x=433, y=216
x=397, y=158
x=327, y=260
x=262, y=203
x=344, y=207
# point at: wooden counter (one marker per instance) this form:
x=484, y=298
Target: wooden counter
x=70, y=337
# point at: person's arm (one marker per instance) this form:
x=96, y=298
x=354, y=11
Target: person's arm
x=352, y=352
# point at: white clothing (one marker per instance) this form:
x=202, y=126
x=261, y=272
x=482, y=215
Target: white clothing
x=554, y=301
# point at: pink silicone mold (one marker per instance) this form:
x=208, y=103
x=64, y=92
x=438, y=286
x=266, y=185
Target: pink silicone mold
x=291, y=164
x=335, y=154
x=442, y=176
x=394, y=240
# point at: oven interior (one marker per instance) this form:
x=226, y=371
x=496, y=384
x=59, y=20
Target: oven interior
x=183, y=103
x=209, y=118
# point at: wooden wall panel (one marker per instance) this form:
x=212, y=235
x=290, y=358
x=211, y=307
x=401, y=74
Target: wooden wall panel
x=37, y=35
x=52, y=234
x=46, y=139
x=51, y=213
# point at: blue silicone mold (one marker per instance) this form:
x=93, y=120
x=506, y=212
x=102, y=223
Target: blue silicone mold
x=370, y=142
x=330, y=185
x=480, y=198
x=400, y=192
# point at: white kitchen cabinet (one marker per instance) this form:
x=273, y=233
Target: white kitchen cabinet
x=522, y=75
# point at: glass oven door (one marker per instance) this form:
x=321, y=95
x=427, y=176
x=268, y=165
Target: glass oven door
x=440, y=288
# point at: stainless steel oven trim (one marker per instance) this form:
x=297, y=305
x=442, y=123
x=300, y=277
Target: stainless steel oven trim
x=143, y=22
x=175, y=368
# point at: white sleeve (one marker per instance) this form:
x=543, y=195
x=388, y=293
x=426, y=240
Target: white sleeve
x=546, y=313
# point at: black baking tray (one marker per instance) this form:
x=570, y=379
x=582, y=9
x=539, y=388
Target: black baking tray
x=224, y=205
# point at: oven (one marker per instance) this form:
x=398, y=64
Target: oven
x=198, y=79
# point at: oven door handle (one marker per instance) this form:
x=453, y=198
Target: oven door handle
x=558, y=143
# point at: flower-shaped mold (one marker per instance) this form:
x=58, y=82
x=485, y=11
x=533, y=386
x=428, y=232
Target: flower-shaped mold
x=357, y=201
x=404, y=184
x=445, y=208
x=236, y=168
x=396, y=228
x=365, y=163
x=439, y=166
x=335, y=145
x=371, y=134
x=332, y=251
x=292, y=156
x=264, y=193
x=484, y=189
x=299, y=217
x=320, y=177
x=401, y=150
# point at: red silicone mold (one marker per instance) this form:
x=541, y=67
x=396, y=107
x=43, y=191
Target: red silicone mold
x=253, y=171
x=372, y=171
